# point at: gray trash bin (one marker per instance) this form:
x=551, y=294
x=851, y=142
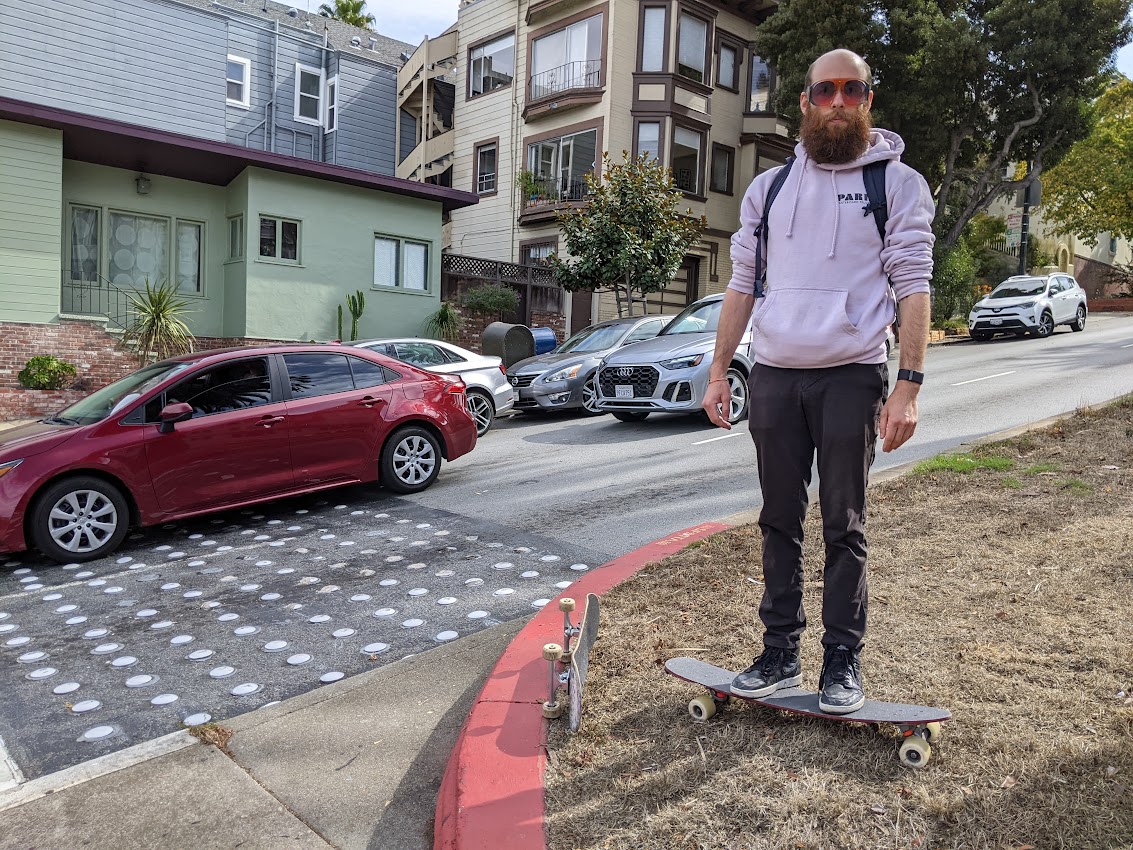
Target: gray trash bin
x=511, y=343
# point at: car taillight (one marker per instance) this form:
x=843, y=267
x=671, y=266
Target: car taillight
x=456, y=388
x=503, y=370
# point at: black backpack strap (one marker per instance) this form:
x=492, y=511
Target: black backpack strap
x=761, y=227
x=874, y=175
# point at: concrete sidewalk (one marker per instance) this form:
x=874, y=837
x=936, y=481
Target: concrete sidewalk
x=355, y=764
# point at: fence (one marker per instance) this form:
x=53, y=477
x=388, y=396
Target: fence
x=538, y=293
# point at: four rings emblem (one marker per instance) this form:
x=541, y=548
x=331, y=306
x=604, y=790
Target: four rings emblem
x=624, y=372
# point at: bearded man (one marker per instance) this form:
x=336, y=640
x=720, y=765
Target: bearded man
x=820, y=384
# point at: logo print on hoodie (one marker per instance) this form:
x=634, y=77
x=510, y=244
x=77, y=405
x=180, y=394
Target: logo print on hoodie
x=853, y=198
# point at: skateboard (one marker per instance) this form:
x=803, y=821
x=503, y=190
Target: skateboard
x=919, y=725
x=574, y=659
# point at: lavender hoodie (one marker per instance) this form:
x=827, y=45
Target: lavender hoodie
x=827, y=299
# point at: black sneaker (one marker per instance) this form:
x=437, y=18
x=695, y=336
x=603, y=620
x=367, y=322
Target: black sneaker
x=840, y=686
x=775, y=669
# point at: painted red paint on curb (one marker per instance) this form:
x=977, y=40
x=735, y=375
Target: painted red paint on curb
x=491, y=797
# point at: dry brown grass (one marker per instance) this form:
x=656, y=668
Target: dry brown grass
x=1004, y=596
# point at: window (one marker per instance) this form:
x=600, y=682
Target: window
x=421, y=354
x=1112, y=244
x=723, y=162
x=570, y=58
x=308, y=94
x=138, y=250
x=85, y=243
x=692, y=47
x=728, y=71
x=189, y=241
x=401, y=263
x=236, y=237
x=279, y=239
x=366, y=374
x=653, y=39
x=762, y=94
x=560, y=165
x=236, y=385
x=239, y=81
x=486, y=168
x=649, y=139
x=491, y=65
x=311, y=375
x=686, y=160
x=646, y=330
x=537, y=254
x=332, y=105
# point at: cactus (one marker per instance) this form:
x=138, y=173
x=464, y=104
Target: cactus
x=356, y=303
x=340, y=323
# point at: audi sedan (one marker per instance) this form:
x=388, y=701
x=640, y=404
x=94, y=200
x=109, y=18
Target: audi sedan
x=218, y=430
x=1025, y=304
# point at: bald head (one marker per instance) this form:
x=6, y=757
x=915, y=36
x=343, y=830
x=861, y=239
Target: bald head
x=840, y=64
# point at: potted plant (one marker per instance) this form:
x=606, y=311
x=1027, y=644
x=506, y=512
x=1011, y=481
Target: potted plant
x=528, y=184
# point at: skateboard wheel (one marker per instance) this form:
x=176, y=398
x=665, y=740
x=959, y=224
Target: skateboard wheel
x=551, y=710
x=552, y=652
x=566, y=604
x=915, y=752
x=702, y=708
x=565, y=658
x=932, y=732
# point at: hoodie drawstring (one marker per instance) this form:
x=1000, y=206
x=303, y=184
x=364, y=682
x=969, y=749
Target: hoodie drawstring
x=834, y=238
x=798, y=189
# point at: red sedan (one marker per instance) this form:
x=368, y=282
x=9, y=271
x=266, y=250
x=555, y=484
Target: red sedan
x=221, y=429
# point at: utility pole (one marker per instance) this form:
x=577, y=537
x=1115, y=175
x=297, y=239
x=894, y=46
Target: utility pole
x=1023, y=237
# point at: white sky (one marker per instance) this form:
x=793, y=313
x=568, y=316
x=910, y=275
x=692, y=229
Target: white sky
x=412, y=20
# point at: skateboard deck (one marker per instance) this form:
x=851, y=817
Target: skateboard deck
x=919, y=724
x=580, y=659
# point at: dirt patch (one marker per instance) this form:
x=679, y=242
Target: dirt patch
x=1003, y=593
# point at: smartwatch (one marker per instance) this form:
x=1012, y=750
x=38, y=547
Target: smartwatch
x=910, y=375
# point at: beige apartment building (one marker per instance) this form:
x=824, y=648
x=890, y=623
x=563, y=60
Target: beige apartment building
x=540, y=88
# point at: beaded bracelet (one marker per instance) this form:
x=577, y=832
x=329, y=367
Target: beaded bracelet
x=716, y=380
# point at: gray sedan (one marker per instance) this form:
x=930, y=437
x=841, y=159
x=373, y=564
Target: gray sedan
x=564, y=379
x=489, y=394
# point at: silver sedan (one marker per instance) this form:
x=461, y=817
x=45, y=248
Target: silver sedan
x=489, y=394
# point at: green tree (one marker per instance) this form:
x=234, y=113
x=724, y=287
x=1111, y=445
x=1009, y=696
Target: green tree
x=351, y=12
x=629, y=238
x=1091, y=189
x=972, y=86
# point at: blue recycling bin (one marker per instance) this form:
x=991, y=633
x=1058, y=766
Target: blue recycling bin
x=545, y=339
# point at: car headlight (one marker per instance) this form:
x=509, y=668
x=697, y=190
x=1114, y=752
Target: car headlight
x=1026, y=305
x=686, y=362
x=563, y=374
x=5, y=468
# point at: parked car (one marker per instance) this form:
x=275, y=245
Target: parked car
x=1029, y=304
x=564, y=379
x=488, y=392
x=669, y=373
x=217, y=430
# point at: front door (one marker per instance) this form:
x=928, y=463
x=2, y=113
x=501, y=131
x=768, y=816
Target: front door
x=681, y=292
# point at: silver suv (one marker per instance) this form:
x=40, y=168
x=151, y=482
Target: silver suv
x=669, y=373
x=1029, y=304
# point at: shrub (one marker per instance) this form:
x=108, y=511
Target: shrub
x=954, y=276
x=445, y=323
x=45, y=372
x=491, y=298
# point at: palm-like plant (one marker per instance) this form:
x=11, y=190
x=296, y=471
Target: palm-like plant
x=351, y=12
x=157, y=328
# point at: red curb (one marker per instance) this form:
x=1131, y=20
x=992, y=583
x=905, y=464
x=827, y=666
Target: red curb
x=491, y=796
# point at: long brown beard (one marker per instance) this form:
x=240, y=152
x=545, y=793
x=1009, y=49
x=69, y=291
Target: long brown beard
x=836, y=143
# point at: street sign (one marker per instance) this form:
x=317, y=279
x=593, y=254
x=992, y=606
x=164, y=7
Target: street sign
x=1014, y=229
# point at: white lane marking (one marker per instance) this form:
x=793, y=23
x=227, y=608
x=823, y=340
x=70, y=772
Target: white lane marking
x=1130, y=345
x=714, y=439
x=986, y=378
x=10, y=774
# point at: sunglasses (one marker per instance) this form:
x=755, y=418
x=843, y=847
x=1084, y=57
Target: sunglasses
x=854, y=92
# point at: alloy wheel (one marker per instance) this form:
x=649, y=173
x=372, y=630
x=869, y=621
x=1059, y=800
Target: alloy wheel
x=414, y=460
x=1079, y=319
x=590, y=394
x=82, y=521
x=737, y=388
x=1046, y=326
x=482, y=411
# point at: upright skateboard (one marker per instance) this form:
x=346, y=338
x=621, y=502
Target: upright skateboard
x=919, y=725
x=575, y=659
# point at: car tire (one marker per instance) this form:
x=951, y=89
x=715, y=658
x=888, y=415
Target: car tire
x=73, y=540
x=1079, y=323
x=590, y=395
x=1045, y=327
x=410, y=460
x=737, y=384
x=482, y=410
x=630, y=415
x=980, y=336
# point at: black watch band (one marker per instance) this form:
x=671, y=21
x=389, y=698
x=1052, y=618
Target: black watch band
x=910, y=375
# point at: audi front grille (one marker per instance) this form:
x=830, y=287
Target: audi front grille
x=643, y=379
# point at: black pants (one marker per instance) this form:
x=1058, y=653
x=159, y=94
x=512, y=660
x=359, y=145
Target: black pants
x=793, y=414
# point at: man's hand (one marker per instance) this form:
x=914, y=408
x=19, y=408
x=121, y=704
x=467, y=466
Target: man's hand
x=718, y=403
x=899, y=416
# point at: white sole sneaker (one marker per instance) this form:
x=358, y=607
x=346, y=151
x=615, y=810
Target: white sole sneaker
x=782, y=684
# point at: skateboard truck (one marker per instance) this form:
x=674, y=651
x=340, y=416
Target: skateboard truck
x=552, y=708
x=566, y=605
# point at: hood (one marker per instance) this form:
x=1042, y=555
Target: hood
x=1000, y=303
x=544, y=362
x=662, y=348
x=883, y=144
x=33, y=438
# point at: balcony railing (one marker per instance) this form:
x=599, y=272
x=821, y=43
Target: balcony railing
x=86, y=294
x=573, y=75
x=549, y=190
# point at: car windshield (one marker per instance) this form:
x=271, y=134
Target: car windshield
x=113, y=397
x=1019, y=288
x=593, y=338
x=696, y=318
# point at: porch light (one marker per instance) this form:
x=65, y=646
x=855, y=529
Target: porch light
x=143, y=184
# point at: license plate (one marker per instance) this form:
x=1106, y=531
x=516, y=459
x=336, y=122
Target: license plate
x=997, y=321
x=623, y=391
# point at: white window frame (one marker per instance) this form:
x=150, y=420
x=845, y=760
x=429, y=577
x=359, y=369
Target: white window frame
x=241, y=241
x=300, y=69
x=246, y=101
x=480, y=188
x=175, y=258
x=402, y=256
x=482, y=49
x=330, y=111
x=277, y=257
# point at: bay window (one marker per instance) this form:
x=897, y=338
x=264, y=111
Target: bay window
x=560, y=165
x=570, y=58
x=686, y=161
x=692, y=47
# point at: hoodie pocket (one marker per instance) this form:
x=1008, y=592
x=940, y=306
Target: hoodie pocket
x=805, y=328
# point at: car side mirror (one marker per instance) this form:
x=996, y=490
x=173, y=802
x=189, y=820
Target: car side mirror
x=171, y=414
